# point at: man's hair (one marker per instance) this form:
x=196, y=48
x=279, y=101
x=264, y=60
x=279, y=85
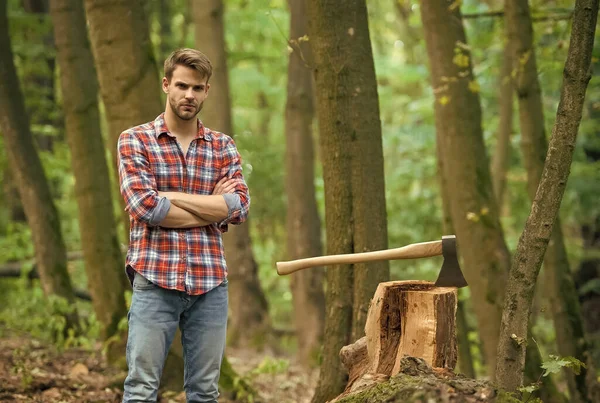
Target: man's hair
x=189, y=58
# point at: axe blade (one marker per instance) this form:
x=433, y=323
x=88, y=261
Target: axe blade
x=450, y=274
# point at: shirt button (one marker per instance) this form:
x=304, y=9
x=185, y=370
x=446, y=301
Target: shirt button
x=183, y=259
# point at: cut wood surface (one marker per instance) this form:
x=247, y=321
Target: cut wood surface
x=412, y=318
x=405, y=319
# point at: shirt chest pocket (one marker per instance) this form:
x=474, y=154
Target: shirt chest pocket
x=169, y=177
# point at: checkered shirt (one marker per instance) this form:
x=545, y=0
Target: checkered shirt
x=150, y=160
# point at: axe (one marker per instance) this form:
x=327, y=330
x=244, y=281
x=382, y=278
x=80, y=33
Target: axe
x=450, y=275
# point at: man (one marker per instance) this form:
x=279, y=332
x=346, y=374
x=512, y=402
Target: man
x=182, y=184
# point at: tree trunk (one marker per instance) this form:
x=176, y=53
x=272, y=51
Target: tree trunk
x=42, y=216
x=352, y=156
x=465, y=169
x=248, y=304
x=588, y=272
x=563, y=295
x=303, y=223
x=39, y=78
x=538, y=229
x=130, y=90
x=102, y=255
x=165, y=17
x=505, y=126
x=465, y=357
x=129, y=80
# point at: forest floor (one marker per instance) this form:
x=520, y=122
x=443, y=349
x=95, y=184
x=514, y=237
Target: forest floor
x=31, y=371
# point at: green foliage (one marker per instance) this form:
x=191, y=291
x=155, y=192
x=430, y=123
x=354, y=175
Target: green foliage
x=269, y=366
x=24, y=308
x=556, y=363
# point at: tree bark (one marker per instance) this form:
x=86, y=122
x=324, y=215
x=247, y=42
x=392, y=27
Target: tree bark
x=165, y=17
x=538, y=229
x=563, y=296
x=40, y=78
x=465, y=168
x=102, y=255
x=505, y=126
x=352, y=157
x=42, y=216
x=465, y=357
x=303, y=222
x=127, y=73
x=588, y=270
x=248, y=304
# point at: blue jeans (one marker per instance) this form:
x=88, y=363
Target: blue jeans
x=153, y=318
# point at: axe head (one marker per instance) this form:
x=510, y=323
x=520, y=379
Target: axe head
x=450, y=275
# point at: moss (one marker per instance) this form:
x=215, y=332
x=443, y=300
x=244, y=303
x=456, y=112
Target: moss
x=401, y=388
x=405, y=388
x=506, y=397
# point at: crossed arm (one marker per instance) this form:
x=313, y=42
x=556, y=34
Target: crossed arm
x=228, y=203
x=188, y=210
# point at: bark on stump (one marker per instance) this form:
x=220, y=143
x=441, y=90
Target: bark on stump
x=406, y=318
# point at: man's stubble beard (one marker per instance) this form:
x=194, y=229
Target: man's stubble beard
x=175, y=110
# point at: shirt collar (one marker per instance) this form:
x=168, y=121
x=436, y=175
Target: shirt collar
x=160, y=127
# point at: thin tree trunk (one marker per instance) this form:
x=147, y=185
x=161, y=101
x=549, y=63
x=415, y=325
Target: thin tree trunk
x=102, y=255
x=42, y=216
x=165, y=17
x=250, y=316
x=465, y=166
x=41, y=77
x=129, y=80
x=303, y=223
x=563, y=295
x=588, y=271
x=352, y=156
x=465, y=359
x=538, y=229
x=505, y=126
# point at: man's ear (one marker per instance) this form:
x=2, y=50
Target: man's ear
x=207, y=88
x=165, y=85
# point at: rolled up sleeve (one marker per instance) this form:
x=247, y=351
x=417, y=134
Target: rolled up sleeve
x=238, y=203
x=137, y=182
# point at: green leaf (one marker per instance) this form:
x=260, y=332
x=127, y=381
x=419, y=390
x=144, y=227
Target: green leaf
x=529, y=389
x=555, y=364
x=590, y=286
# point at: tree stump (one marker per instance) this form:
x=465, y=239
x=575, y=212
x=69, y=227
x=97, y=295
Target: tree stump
x=406, y=318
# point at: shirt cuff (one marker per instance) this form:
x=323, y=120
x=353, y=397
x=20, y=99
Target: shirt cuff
x=160, y=211
x=233, y=202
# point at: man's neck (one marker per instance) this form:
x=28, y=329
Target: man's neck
x=180, y=127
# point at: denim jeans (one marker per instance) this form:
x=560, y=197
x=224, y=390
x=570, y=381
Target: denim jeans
x=153, y=318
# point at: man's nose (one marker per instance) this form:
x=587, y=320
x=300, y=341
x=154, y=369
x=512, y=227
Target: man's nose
x=189, y=94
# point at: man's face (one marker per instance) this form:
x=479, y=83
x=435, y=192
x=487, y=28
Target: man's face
x=186, y=92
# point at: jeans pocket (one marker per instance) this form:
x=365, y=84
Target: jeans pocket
x=141, y=283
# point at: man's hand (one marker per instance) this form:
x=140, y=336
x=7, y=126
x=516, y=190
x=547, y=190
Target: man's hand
x=225, y=185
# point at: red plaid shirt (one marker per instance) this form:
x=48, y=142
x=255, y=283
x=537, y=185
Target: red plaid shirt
x=150, y=160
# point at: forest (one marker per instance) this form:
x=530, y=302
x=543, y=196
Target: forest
x=381, y=130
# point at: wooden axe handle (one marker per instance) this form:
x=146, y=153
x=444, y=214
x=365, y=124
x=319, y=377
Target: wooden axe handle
x=413, y=251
